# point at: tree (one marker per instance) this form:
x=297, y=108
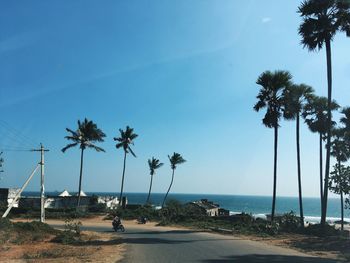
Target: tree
x=296, y=97
x=175, y=160
x=126, y=139
x=153, y=164
x=339, y=184
x=345, y=120
x=271, y=97
x=315, y=115
x=85, y=136
x=322, y=19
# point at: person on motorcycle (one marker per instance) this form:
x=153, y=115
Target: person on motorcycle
x=116, y=221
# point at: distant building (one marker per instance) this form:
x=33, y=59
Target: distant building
x=210, y=208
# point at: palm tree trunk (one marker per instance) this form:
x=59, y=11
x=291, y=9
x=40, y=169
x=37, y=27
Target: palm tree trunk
x=149, y=192
x=274, y=175
x=341, y=197
x=299, y=171
x=81, y=174
x=321, y=170
x=166, y=195
x=342, y=209
x=329, y=122
x=122, y=187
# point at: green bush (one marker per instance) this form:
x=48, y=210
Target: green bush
x=134, y=213
x=71, y=234
x=289, y=222
x=5, y=224
x=319, y=230
x=35, y=227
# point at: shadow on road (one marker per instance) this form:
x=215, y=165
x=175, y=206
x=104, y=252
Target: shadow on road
x=161, y=232
x=270, y=258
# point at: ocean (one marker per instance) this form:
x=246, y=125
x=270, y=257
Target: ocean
x=255, y=205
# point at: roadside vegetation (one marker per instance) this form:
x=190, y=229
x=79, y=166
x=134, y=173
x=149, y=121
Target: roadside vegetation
x=40, y=242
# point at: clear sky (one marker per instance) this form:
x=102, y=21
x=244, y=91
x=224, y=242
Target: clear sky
x=181, y=73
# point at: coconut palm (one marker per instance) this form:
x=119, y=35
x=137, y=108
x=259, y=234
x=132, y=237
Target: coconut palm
x=85, y=136
x=296, y=97
x=175, y=160
x=153, y=164
x=322, y=19
x=315, y=115
x=126, y=139
x=271, y=97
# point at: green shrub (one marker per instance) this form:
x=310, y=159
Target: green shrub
x=71, y=234
x=289, y=222
x=5, y=224
x=319, y=230
x=35, y=227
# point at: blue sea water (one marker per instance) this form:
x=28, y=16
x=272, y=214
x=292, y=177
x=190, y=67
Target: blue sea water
x=256, y=205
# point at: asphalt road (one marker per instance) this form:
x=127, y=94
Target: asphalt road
x=160, y=245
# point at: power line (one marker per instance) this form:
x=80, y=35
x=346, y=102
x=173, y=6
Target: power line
x=9, y=127
x=15, y=135
x=14, y=150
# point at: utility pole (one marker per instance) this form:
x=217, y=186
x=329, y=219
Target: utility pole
x=1, y=162
x=42, y=150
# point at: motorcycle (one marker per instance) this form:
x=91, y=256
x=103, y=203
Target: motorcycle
x=142, y=220
x=117, y=227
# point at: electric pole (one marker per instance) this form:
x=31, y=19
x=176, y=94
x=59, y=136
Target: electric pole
x=42, y=150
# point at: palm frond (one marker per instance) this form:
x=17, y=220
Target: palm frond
x=69, y=146
x=131, y=151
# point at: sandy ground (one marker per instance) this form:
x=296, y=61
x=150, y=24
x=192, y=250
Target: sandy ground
x=96, y=247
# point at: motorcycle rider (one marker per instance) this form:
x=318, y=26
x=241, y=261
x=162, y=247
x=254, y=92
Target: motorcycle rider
x=116, y=221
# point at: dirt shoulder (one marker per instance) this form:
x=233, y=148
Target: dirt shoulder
x=93, y=247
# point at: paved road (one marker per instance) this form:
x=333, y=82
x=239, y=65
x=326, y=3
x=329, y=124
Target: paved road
x=160, y=245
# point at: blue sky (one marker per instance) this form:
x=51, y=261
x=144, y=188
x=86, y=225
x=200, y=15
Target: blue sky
x=181, y=73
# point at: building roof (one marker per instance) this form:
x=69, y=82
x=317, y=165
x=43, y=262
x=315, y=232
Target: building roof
x=64, y=193
x=205, y=204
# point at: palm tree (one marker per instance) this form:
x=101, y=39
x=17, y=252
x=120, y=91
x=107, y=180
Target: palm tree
x=153, y=164
x=126, y=139
x=175, y=160
x=296, y=97
x=315, y=115
x=271, y=97
x=322, y=19
x=85, y=136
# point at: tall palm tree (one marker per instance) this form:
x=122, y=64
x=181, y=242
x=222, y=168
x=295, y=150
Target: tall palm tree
x=340, y=151
x=315, y=115
x=271, y=97
x=85, y=136
x=175, y=160
x=126, y=139
x=322, y=19
x=296, y=97
x=153, y=164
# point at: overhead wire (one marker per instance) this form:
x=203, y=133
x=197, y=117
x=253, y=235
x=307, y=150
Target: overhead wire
x=13, y=138
x=18, y=141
